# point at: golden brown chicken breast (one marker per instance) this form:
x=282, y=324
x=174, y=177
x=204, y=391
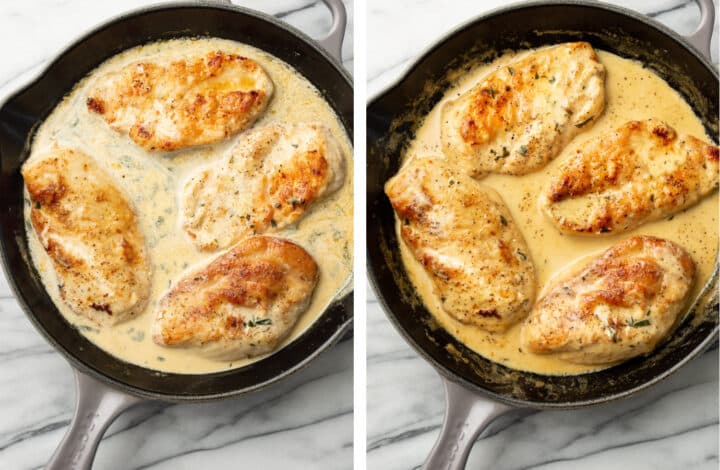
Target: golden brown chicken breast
x=192, y=101
x=89, y=229
x=640, y=172
x=266, y=182
x=618, y=306
x=466, y=240
x=243, y=303
x=520, y=116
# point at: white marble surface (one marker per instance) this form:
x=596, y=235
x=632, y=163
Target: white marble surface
x=672, y=426
x=303, y=422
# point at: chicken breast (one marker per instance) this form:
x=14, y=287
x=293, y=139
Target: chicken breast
x=519, y=117
x=243, y=303
x=91, y=232
x=266, y=182
x=642, y=171
x=619, y=305
x=466, y=240
x=196, y=100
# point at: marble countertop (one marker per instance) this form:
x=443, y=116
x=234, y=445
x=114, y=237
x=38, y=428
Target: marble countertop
x=286, y=426
x=671, y=426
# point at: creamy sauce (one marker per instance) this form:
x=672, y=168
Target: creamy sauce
x=152, y=183
x=632, y=93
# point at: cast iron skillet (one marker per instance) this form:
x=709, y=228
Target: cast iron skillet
x=106, y=385
x=478, y=390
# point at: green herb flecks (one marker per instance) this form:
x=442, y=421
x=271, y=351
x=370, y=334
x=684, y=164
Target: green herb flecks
x=259, y=322
x=503, y=220
x=315, y=236
x=639, y=323
x=523, y=150
x=511, y=70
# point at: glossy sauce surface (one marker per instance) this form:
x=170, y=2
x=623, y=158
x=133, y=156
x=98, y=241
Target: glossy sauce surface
x=152, y=183
x=632, y=93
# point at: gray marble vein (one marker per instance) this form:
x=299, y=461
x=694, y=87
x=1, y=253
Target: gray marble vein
x=672, y=426
x=305, y=421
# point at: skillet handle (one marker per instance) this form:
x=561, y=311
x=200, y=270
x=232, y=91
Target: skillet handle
x=333, y=41
x=466, y=415
x=97, y=406
x=702, y=36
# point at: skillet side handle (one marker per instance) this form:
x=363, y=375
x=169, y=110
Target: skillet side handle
x=466, y=415
x=97, y=406
x=333, y=41
x=702, y=36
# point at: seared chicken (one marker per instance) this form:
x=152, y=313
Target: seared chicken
x=640, y=172
x=243, y=303
x=90, y=230
x=192, y=101
x=519, y=117
x=266, y=182
x=466, y=240
x=618, y=306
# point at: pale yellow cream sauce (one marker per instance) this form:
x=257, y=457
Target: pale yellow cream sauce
x=153, y=182
x=632, y=93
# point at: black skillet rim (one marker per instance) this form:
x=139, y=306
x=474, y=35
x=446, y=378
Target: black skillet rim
x=442, y=369
x=521, y=5
x=342, y=306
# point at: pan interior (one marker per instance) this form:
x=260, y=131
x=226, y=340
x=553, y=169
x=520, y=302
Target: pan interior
x=392, y=120
x=21, y=114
